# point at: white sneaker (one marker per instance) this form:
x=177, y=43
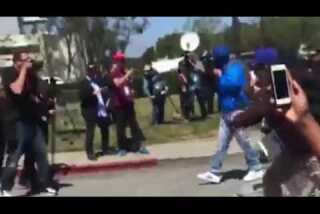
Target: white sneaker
x=5, y=194
x=50, y=192
x=209, y=176
x=254, y=175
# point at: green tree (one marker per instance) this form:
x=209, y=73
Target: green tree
x=94, y=35
x=168, y=46
x=149, y=55
x=124, y=27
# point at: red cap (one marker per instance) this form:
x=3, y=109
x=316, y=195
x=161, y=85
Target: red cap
x=118, y=56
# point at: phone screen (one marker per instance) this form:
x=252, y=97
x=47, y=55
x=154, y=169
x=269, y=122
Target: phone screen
x=280, y=80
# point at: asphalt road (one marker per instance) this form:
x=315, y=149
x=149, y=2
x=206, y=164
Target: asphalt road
x=169, y=178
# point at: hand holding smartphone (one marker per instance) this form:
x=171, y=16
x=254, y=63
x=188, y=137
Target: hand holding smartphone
x=280, y=85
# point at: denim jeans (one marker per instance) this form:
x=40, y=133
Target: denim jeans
x=30, y=140
x=199, y=94
x=226, y=134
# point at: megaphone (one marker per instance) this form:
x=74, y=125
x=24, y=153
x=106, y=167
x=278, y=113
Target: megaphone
x=189, y=41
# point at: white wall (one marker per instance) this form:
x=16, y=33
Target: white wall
x=8, y=25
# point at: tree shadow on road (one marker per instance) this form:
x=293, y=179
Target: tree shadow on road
x=237, y=174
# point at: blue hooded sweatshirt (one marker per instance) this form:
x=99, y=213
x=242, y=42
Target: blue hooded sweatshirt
x=231, y=87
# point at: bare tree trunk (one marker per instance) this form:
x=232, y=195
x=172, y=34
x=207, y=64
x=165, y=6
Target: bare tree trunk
x=68, y=39
x=236, y=34
x=263, y=31
x=303, y=37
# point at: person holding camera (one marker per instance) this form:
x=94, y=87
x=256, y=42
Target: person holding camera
x=197, y=76
x=185, y=92
x=123, y=105
x=45, y=108
x=209, y=82
x=3, y=125
x=156, y=89
x=191, y=78
x=231, y=83
x=296, y=168
x=20, y=85
x=94, y=95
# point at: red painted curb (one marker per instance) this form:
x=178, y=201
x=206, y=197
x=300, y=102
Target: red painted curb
x=90, y=168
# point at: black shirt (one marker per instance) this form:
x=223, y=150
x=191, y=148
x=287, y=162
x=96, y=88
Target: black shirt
x=22, y=106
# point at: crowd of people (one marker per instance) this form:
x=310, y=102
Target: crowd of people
x=244, y=99
x=109, y=97
x=295, y=168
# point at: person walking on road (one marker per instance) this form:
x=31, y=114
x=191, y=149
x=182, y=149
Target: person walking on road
x=231, y=83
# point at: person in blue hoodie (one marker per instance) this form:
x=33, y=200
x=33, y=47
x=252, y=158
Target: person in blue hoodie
x=232, y=100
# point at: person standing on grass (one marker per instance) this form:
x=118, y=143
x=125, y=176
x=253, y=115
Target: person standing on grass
x=184, y=85
x=94, y=93
x=231, y=83
x=209, y=82
x=124, y=111
x=197, y=77
x=156, y=89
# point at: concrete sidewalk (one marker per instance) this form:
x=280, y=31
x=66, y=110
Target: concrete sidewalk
x=76, y=162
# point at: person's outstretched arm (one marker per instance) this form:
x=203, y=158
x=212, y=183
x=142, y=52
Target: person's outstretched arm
x=299, y=114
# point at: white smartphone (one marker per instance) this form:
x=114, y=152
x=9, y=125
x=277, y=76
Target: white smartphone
x=280, y=84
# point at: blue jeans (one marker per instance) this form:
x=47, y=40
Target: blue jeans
x=225, y=136
x=30, y=141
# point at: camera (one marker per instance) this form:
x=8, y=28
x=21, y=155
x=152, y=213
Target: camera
x=36, y=65
x=208, y=61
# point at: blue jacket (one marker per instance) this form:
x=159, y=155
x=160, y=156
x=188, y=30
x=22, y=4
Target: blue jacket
x=231, y=87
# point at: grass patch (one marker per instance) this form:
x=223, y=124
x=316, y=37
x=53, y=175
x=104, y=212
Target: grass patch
x=173, y=131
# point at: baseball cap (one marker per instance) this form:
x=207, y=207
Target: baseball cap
x=266, y=56
x=221, y=54
x=118, y=56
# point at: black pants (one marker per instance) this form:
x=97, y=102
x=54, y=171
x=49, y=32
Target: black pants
x=103, y=124
x=8, y=140
x=2, y=145
x=127, y=116
x=158, y=105
x=209, y=102
x=186, y=104
x=199, y=94
x=29, y=172
x=30, y=141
